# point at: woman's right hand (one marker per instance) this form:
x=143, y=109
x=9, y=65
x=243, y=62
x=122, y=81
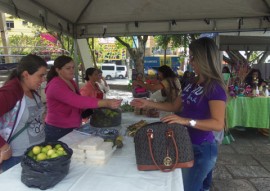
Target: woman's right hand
x=111, y=103
x=139, y=103
x=5, y=152
x=175, y=119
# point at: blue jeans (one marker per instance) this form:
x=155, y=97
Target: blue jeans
x=53, y=133
x=205, y=156
x=12, y=161
x=207, y=181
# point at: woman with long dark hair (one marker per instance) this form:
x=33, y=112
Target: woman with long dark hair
x=169, y=86
x=64, y=102
x=91, y=87
x=21, y=121
x=254, y=76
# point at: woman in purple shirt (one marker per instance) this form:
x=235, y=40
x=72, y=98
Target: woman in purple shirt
x=202, y=108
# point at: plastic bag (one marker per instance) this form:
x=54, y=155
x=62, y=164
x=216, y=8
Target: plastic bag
x=106, y=117
x=87, y=113
x=106, y=134
x=46, y=173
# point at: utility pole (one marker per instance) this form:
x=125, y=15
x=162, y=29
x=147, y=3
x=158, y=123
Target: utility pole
x=4, y=36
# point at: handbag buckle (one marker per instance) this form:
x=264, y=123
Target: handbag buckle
x=169, y=133
x=150, y=133
x=167, y=161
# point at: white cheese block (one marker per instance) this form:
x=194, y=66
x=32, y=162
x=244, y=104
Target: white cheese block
x=92, y=143
x=79, y=156
x=95, y=162
x=95, y=158
x=77, y=150
x=102, y=150
x=79, y=160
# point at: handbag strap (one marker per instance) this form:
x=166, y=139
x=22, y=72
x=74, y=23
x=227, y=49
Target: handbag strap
x=169, y=134
x=18, y=133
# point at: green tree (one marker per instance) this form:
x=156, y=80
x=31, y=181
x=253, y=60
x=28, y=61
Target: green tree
x=136, y=53
x=174, y=41
x=163, y=41
x=183, y=40
x=96, y=50
x=24, y=44
x=66, y=42
x=234, y=57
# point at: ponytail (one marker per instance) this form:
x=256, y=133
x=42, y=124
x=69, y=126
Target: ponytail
x=51, y=74
x=58, y=63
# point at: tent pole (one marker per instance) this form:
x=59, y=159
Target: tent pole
x=76, y=59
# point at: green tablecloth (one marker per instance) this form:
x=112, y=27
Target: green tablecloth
x=248, y=112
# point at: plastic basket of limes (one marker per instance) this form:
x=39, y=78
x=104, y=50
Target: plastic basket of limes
x=106, y=117
x=45, y=164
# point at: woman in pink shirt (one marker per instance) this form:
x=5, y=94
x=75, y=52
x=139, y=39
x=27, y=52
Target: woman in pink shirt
x=64, y=102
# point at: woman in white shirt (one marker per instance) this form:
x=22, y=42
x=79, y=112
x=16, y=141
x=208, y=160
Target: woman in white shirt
x=103, y=86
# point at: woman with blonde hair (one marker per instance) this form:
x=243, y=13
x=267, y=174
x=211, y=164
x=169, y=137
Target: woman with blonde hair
x=201, y=107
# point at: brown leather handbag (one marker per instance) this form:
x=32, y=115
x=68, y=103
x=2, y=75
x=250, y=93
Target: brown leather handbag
x=161, y=146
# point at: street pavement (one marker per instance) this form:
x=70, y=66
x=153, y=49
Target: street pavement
x=243, y=165
x=119, y=89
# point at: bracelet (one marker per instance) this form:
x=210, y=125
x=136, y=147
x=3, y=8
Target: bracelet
x=6, y=150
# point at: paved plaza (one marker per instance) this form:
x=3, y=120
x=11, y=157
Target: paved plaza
x=243, y=165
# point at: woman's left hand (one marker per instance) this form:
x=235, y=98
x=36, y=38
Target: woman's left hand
x=139, y=103
x=174, y=119
x=5, y=152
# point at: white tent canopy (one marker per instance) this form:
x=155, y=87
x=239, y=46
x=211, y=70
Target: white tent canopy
x=245, y=43
x=104, y=18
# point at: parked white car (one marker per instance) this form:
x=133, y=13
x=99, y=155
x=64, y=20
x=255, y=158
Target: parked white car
x=121, y=71
x=108, y=70
x=50, y=63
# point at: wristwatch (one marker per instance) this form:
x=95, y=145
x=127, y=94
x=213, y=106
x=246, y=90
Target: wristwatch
x=192, y=123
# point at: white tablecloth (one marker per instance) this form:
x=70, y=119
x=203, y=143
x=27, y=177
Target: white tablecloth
x=119, y=174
